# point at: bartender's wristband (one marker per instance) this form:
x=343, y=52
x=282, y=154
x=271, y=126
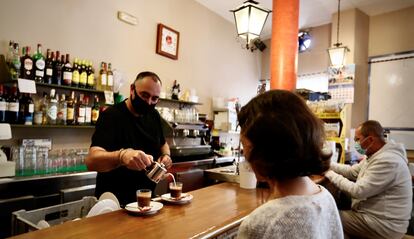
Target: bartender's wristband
x=162, y=155
x=121, y=154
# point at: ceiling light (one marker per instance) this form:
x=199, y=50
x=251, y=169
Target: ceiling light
x=338, y=52
x=250, y=19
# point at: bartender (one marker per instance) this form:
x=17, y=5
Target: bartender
x=128, y=137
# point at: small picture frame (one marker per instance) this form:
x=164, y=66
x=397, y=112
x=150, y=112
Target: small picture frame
x=167, y=41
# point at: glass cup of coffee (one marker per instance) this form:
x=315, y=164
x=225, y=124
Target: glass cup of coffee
x=176, y=189
x=144, y=197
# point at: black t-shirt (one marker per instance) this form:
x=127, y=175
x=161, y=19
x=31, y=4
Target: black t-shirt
x=117, y=128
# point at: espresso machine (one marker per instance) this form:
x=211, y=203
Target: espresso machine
x=187, y=140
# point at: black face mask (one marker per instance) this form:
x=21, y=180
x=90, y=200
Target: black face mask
x=140, y=105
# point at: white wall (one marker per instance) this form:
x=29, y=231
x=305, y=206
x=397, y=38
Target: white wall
x=210, y=59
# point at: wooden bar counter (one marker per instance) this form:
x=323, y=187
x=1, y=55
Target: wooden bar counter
x=213, y=211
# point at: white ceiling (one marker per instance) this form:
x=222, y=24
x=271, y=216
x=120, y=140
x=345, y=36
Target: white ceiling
x=311, y=12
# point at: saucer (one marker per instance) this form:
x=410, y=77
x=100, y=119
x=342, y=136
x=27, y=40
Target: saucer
x=185, y=198
x=109, y=195
x=103, y=206
x=133, y=208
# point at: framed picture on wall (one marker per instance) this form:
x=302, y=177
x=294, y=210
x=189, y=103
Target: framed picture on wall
x=167, y=41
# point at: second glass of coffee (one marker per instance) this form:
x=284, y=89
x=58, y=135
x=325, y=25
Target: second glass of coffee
x=176, y=189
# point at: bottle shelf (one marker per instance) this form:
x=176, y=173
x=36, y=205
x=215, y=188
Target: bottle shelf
x=329, y=115
x=69, y=88
x=53, y=126
x=179, y=101
x=77, y=89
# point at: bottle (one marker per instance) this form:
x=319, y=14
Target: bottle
x=57, y=70
x=16, y=63
x=39, y=64
x=70, y=115
x=38, y=113
x=3, y=105
x=75, y=73
x=52, y=108
x=102, y=77
x=44, y=106
x=67, y=72
x=49, y=67
x=88, y=111
x=28, y=112
x=10, y=52
x=81, y=110
x=110, y=82
x=22, y=103
x=83, y=78
x=27, y=64
x=12, y=113
x=95, y=111
x=62, y=110
x=91, y=76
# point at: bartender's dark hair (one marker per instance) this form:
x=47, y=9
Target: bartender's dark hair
x=144, y=74
x=287, y=138
x=373, y=128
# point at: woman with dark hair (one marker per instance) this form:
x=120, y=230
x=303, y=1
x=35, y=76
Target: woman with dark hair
x=282, y=141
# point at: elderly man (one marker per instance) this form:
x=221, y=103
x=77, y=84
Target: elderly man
x=380, y=187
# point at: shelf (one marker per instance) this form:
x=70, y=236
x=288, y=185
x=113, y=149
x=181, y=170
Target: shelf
x=53, y=126
x=223, y=110
x=329, y=115
x=180, y=101
x=336, y=139
x=70, y=88
x=61, y=87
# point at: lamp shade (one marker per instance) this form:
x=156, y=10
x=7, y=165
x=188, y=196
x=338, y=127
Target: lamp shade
x=250, y=20
x=337, y=56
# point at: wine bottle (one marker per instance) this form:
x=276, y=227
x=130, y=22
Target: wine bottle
x=22, y=103
x=52, y=108
x=95, y=111
x=75, y=73
x=81, y=108
x=12, y=113
x=70, y=116
x=102, y=77
x=67, y=72
x=110, y=82
x=83, y=78
x=39, y=64
x=49, y=67
x=91, y=76
x=62, y=110
x=27, y=64
x=57, y=70
x=88, y=111
x=16, y=64
x=28, y=110
x=3, y=105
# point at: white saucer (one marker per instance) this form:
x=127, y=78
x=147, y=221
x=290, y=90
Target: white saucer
x=185, y=198
x=133, y=208
x=103, y=206
x=109, y=195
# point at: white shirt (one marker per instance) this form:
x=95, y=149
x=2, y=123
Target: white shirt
x=311, y=216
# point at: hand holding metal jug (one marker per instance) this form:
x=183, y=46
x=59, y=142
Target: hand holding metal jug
x=156, y=171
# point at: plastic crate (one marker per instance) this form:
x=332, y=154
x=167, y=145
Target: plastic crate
x=26, y=221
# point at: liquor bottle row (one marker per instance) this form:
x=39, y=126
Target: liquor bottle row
x=56, y=68
x=52, y=109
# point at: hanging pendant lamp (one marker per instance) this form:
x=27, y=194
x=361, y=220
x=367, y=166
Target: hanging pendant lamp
x=250, y=19
x=338, y=52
